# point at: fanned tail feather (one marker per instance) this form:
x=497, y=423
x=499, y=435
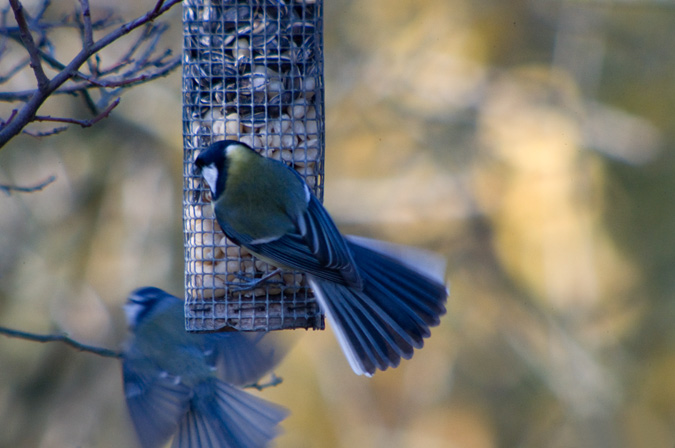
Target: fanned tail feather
x=390, y=316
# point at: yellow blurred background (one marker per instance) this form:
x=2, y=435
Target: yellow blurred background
x=529, y=142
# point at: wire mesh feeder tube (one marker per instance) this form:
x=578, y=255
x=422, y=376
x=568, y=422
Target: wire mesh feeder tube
x=253, y=72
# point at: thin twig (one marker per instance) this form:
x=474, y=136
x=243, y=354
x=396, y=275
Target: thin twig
x=29, y=44
x=142, y=37
x=273, y=382
x=127, y=82
x=42, y=27
x=96, y=64
x=83, y=123
x=11, y=188
x=66, y=22
x=40, y=134
x=117, y=66
x=43, y=8
x=87, y=34
x=89, y=101
x=60, y=338
x=158, y=7
x=88, y=39
x=9, y=120
x=110, y=82
x=58, y=65
x=155, y=32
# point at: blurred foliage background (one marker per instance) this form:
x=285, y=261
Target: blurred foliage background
x=529, y=141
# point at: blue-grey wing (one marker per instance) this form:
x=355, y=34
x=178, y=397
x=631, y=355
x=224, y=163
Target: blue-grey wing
x=222, y=416
x=242, y=359
x=156, y=403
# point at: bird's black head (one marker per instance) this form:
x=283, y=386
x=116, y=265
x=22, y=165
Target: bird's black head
x=222, y=159
x=212, y=165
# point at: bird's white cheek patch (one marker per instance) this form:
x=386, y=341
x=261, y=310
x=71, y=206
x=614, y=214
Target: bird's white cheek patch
x=132, y=311
x=210, y=174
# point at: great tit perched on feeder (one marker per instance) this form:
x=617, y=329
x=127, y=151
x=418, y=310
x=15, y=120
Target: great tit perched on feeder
x=380, y=298
x=185, y=384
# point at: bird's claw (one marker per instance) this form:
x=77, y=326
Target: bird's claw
x=249, y=283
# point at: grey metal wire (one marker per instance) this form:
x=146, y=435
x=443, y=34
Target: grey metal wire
x=253, y=72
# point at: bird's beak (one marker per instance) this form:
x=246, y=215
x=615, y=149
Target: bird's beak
x=196, y=170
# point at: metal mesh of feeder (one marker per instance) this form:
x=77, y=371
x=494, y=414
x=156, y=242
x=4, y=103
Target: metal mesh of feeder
x=253, y=72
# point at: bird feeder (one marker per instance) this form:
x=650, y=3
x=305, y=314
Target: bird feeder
x=252, y=72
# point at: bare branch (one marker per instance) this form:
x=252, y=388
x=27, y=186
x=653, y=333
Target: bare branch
x=89, y=101
x=58, y=65
x=156, y=31
x=128, y=57
x=43, y=8
x=158, y=7
x=43, y=27
x=61, y=338
x=273, y=382
x=83, y=123
x=117, y=82
x=33, y=99
x=88, y=39
x=113, y=81
x=87, y=34
x=48, y=133
x=9, y=120
x=29, y=43
x=127, y=82
x=105, y=352
x=11, y=188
